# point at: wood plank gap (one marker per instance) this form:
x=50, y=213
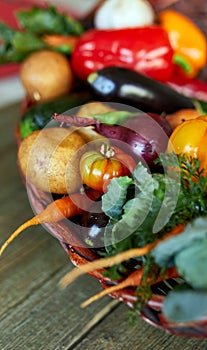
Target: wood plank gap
x=92, y=323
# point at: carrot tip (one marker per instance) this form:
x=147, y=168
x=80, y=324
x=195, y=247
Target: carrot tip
x=69, y=278
x=3, y=247
x=94, y=298
x=6, y=243
x=85, y=304
x=17, y=232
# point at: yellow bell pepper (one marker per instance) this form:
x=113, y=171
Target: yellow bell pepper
x=187, y=40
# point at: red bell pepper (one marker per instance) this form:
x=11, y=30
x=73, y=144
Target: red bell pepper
x=193, y=88
x=146, y=50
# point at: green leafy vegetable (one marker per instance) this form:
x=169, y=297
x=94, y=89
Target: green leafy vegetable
x=166, y=251
x=134, y=218
x=127, y=216
x=48, y=21
x=144, y=181
x=115, y=197
x=191, y=263
x=18, y=44
x=157, y=204
x=115, y=117
x=185, y=305
x=6, y=32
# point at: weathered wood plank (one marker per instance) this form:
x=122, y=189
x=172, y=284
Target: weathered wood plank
x=118, y=333
x=48, y=315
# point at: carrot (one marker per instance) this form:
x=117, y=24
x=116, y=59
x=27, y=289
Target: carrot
x=56, y=211
x=56, y=40
x=132, y=280
x=116, y=259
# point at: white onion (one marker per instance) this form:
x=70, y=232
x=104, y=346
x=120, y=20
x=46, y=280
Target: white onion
x=115, y=14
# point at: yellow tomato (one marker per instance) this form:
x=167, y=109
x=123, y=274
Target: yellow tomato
x=190, y=138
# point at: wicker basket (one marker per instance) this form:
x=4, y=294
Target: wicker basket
x=80, y=254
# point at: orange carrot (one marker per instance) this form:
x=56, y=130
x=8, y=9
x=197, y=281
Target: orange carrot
x=56, y=211
x=133, y=280
x=116, y=259
x=56, y=40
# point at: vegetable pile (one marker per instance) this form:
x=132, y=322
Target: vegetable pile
x=114, y=133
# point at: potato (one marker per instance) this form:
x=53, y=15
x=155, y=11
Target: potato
x=45, y=75
x=91, y=136
x=49, y=159
x=91, y=108
x=88, y=110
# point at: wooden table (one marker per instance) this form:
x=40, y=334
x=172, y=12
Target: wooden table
x=35, y=313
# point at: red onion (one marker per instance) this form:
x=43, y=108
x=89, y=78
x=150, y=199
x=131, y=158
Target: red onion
x=144, y=136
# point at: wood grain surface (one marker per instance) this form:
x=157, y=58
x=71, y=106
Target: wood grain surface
x=35, y=314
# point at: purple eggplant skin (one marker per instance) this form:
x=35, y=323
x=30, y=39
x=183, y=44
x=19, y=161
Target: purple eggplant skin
x=93, y=225
x=118, y=84
x=144, y=137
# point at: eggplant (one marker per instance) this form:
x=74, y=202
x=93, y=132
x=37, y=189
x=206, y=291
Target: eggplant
x=118, y=84
x=93, y=224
